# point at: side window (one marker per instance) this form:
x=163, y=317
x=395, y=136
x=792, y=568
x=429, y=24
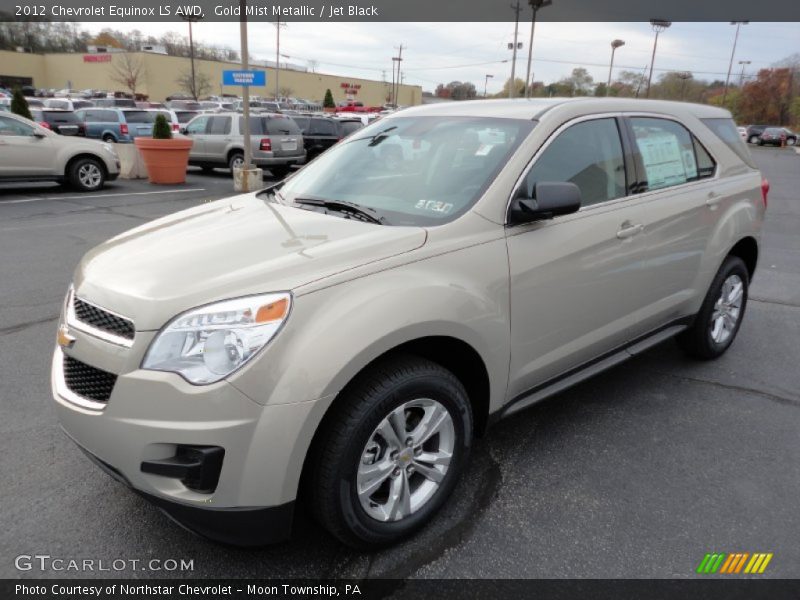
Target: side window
x=197, y=126
x=15, y=128
x=107, y=116
x=668, y=153
x=219, y=126
x=588, y=154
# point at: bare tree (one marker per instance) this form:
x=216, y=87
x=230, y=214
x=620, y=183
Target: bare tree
x=312, y=65
x=285, y=92
x=127, y=70
x=198, y=87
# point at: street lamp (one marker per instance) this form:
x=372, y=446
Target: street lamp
x=658, y=26
x=730, y=64
x=486, y=83
x=614, y=45
x=192, y=19
x=535, y=5
x=744, y=63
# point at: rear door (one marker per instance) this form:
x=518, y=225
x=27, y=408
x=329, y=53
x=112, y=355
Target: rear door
x=577, y=280
x=218, y=137
x=680, y=196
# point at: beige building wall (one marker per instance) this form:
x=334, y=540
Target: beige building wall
x=160, y=74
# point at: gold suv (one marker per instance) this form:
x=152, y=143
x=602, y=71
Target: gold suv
x=343, y=335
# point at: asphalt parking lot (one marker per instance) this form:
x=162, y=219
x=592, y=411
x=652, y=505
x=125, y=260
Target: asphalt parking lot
x=636, y=473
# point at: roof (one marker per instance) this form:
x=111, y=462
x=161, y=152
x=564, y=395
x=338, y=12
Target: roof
x=535, y=108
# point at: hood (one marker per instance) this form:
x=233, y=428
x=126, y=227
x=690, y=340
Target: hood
x=228, y=248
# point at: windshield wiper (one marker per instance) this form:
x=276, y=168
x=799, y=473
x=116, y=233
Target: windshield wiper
x=380, y=136
x=356, y=210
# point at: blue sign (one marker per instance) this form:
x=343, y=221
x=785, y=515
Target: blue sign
x=244, y=78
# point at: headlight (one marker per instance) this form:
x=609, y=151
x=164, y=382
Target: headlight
x=209, y=343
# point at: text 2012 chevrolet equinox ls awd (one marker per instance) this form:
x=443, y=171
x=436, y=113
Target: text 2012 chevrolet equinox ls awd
x=343, y=335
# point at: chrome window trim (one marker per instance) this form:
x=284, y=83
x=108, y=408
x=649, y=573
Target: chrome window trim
x=561, y=128
x=75, y=323
x=61, y=390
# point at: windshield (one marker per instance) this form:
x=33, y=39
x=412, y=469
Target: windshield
x=412, y=170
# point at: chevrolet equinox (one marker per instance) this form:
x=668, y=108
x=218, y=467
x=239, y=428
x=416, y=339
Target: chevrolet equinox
x=343, y=335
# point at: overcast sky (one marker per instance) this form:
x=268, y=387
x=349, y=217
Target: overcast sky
x=442, y=52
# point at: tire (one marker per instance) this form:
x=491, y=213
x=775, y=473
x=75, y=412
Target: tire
x=280, y=172
x=354, y=434
x=791, y=141
x=712, y=333
x=236, y=159
x=753, y=139
x=86, y=174
x=109, y=139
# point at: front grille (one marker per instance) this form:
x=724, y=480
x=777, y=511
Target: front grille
x=86, y=381
x=103, y=320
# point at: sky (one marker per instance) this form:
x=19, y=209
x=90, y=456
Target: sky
x=436, y=53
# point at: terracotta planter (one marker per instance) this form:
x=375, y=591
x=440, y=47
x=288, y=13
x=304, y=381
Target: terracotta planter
x=166, y=160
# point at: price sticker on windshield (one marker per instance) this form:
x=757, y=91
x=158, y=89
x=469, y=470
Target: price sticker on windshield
x=435, y=206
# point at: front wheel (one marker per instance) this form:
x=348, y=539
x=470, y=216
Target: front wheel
x=86, y=175
x=720, y=316
x=391, y=452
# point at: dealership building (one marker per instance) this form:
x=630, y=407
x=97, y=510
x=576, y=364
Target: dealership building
x=159, y=76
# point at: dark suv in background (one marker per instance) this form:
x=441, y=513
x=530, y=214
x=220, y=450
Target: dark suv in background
x=320, y=133
x=63, y=122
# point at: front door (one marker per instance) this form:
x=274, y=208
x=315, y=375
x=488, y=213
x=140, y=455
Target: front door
x=23, y=154
x=576, y=280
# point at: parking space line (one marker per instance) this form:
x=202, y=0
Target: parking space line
x=86, y=196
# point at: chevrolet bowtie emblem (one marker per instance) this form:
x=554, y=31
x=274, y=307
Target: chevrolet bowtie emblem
x=64, y=339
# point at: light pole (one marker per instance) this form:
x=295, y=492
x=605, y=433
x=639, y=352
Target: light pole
x=535, y=5
x=511, y=89
x=744, y=63
x=658, y=26
x=486, y=83
x=733, y=52
x=278, y=26
x=245, y=93
x=192, y=19
x=614, y=45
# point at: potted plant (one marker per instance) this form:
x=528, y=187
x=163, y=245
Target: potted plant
x=165, y=157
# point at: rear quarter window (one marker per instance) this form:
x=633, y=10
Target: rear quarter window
x=725, y=130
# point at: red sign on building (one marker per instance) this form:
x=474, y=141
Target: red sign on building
x=97, y=58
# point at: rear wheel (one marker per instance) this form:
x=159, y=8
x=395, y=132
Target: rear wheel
x=391, y=452
x=753, y=139
x=720, y=316
x=235, y=161
x=109, y=139
x=86, y=174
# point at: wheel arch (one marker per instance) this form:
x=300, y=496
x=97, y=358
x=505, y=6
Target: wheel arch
x=73, y=159
x=746, y=249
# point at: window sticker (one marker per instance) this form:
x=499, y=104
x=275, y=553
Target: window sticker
x=435, y=206
x=689, y=164
x=663, y=160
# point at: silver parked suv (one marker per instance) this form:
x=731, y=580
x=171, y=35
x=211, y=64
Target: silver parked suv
x=342, y=336
x=276, y=141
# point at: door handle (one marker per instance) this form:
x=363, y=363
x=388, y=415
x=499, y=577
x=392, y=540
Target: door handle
x=712, y=200
x=627, y=230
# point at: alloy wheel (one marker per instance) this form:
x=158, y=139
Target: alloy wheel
x=405, y=460
x=90, y=175
x=727, y=309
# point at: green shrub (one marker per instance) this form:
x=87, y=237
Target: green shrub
x=19, y=106
x=161, y=129
x=328, y=101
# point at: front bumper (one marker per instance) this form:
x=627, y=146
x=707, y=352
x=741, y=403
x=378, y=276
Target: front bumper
x=150, y=416
x=240, y=526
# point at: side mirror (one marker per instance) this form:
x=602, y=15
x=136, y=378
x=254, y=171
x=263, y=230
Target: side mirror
x=550, y=199
x=39, y=134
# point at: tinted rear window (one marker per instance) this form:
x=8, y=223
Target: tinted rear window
x=349, y=127
x=271, y=126
x=184, y=116
x=53, y=116
x=725, y=130
x=139, y=116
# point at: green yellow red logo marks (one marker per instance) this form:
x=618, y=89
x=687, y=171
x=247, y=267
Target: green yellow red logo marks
x=734, y=563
